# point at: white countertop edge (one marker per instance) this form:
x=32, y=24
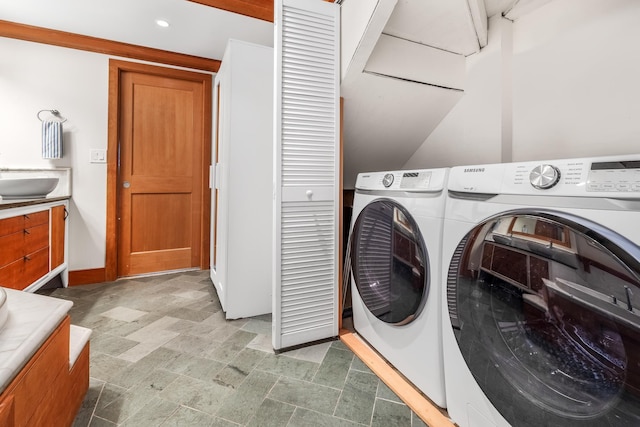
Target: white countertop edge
x=78, y=338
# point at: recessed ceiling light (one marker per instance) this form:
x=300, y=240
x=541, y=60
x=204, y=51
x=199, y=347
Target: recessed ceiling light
x=162, y=23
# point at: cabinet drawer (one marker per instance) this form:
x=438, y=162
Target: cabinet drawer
x=36, y=265
x=11, y=275
x=36, y=238
x=11, y=225
x=26, y=270
x=11, y=248
x=36, y=218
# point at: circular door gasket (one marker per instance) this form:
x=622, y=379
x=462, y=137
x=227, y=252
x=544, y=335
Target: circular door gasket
x=390, y=262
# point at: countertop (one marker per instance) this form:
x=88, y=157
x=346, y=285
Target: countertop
x=31, y=320
x=18, y=203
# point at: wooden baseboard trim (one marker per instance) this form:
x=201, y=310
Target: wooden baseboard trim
x=431, y=414
x=86, y=277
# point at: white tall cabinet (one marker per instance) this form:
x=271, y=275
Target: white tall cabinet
x=241, y=180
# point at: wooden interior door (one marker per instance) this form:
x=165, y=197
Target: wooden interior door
x=160, y=176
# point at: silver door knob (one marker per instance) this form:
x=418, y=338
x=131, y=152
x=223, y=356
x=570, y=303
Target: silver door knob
x=126, y=184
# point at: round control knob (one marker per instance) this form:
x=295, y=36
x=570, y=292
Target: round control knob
x=544, y=177
x=387, y=180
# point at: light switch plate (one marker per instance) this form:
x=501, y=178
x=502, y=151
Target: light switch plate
x=98, y=155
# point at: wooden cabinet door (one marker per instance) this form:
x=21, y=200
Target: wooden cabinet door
x=58, y=218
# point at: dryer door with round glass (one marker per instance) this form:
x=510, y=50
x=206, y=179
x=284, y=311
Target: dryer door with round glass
x=545, y=308
x=390, y=263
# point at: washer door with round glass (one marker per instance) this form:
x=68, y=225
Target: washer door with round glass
x=545, y=308
x=390, y=264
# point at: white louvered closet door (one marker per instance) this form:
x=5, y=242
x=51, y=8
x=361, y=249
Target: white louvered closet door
x=306, y=171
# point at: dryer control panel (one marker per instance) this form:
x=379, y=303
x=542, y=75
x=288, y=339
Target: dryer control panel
x=424, y=180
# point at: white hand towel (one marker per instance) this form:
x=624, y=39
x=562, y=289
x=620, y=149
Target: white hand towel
x=51, y=140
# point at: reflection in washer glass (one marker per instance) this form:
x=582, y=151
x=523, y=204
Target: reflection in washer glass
x=543, y=310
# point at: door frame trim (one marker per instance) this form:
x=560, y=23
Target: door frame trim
x=116, y=67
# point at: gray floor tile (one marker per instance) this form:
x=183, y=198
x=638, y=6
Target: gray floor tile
x=110, y=344
x=89, y=402
x=195, y=366
x=188, y=344
x=305, y=418
x=152, y=414
x=358, y=397
x=334, y=368
x=358, y=365
x=388, y=413
x=284, y=365
x=123, y=407
x=223, y=352
x=215, y=372
x=204, y=396
x=384, y=392
x=136, y=372
x=238, y=369
x=242, y=404
x=129, y=328
x=272, y=414
x=188, y=314
x=308, y=395
x=101, y=422
x=104, y=367
x=184, y=416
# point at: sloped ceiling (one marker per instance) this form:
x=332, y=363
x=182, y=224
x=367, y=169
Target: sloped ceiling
x=393, y=101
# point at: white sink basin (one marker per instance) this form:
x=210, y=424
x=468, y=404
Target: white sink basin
x=26, y=188
x=4, y=309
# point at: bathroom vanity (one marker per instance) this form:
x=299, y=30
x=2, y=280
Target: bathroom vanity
x=44, y=361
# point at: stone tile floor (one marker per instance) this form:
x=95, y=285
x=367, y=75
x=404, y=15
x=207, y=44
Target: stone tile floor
x=162, y=354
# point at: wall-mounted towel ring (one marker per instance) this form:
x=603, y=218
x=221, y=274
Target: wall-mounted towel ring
x=54, y=113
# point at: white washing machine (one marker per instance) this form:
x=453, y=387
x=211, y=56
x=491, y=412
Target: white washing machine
x=541, y=325
x=396, y=235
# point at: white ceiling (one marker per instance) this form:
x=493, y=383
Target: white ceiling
x=203, y=31
x=194, y=29
x=386, y=118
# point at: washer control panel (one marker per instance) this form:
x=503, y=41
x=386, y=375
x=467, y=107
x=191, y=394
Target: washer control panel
x=562, y=177
x=614, y=176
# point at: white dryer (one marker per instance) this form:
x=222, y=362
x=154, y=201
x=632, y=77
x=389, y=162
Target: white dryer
x=395, y=250
x=541, y=325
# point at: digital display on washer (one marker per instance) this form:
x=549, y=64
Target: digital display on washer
x=621, y=176
x=635, y=164
x=545, y=310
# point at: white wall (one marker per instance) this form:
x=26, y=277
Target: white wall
x=34, y=77
x=471, y=132
x=569, y=87
x=576, y=75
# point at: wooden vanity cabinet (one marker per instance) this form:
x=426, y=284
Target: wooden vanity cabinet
x=31, y=246
x=58, y=218
x=48, y=390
